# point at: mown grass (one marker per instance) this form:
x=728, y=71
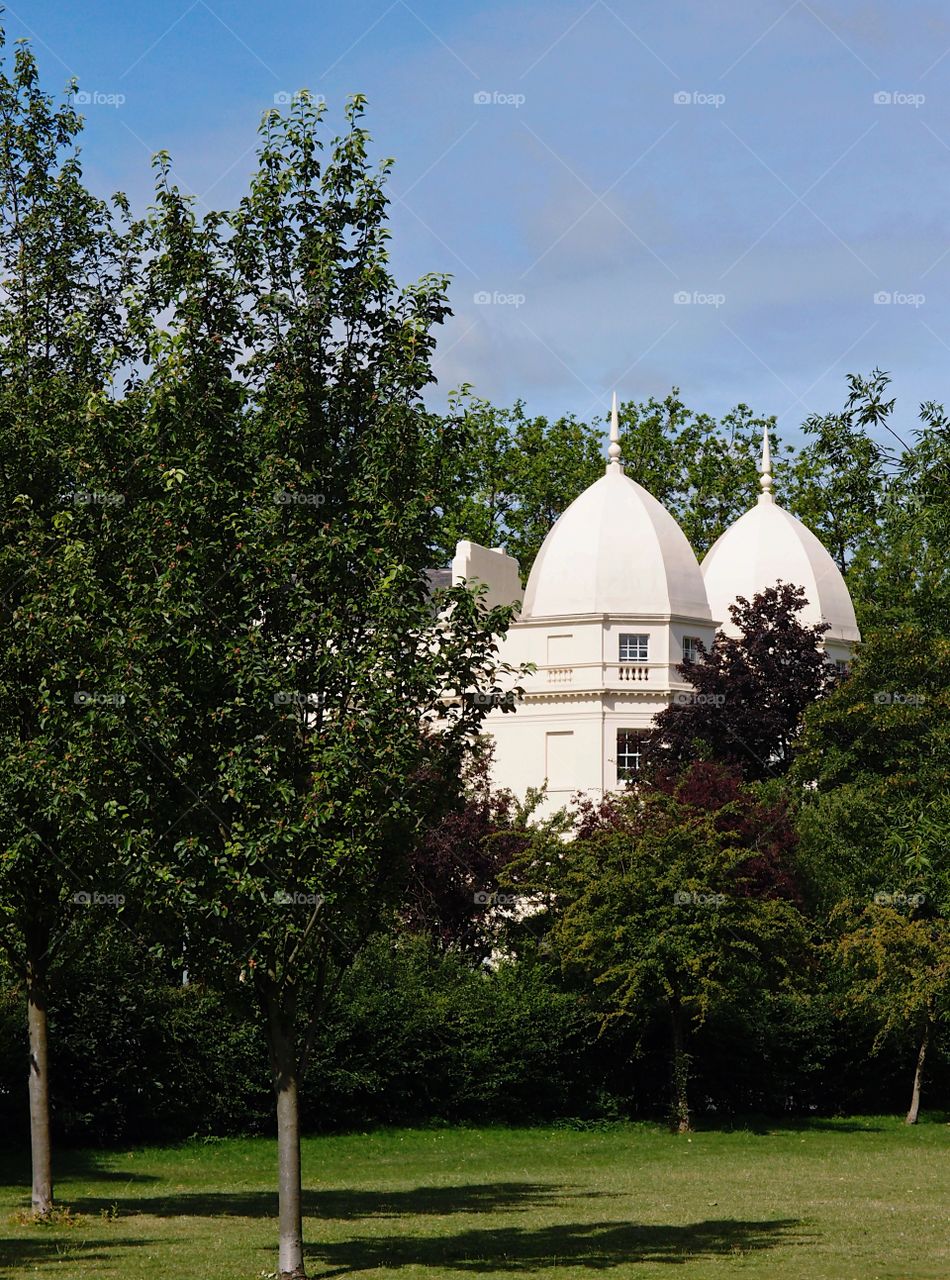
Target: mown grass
x=862, y=1199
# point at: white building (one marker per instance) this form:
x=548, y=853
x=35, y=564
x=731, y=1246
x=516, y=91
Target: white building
x=614, y=603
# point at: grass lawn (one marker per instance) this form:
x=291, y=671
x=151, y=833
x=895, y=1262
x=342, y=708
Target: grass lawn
x=860, y=1199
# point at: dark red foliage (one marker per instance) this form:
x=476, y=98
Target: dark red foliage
x=718, y=791
x=749, y=693
x=453, y=871
x=764, y=828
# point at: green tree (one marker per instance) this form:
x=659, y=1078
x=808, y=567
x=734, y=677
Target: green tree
x=63, y=266
x=551, y=464
x=477, y=483
x=298, y=689
x=513, y=475
x=839, y=481
x=875, y=764
x=671, y=903
x=896, y=955
x=704, y=471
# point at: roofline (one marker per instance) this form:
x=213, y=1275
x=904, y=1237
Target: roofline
x=545, y=620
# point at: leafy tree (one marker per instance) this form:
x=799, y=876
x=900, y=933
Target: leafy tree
x=299, y=694
x=875, y=758
x=478, y=476
x=877, y=497
x=898, y=962
x=451, y=893
x=551, y=464
x=63, y=267
x=670, y=903
x=701, y=469
x=887, y=726
x=839, y=482
x=514, y=475
x=749, y=691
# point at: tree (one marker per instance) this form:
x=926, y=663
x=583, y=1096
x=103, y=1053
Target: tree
x=701, y=469
x=749, y=691
x=513, y=476
x=840, y=481
x=551, y=464
x=478, y=479
x=670, y=903
x=451, y=893
x=297, y=691
x=896, y=953
x=873, y=764
x=63, y=266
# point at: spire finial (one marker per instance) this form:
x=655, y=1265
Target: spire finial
x=613, y=452
x=765, y=468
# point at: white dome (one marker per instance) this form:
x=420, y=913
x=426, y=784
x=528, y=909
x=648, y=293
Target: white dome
x=615, y=550
x=768, y=544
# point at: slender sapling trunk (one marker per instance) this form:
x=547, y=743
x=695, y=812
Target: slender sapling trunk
x=918, y=1077
x=40, y=1141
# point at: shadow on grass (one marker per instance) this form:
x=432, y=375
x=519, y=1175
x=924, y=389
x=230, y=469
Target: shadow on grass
x=594, y=1246
x=765, y=1127
x=488, y=1197
x=79, y=1164
x=27, y=1252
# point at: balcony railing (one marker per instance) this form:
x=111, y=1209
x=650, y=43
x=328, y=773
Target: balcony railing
x=607, y=675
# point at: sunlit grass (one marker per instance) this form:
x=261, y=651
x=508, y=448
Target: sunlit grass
x=861, y=1198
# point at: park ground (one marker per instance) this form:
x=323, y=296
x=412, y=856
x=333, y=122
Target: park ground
x=858, y=1199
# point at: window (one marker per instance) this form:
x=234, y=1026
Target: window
x=843, y=668
x=690, y=651
x=629, y=751
x=634, y=648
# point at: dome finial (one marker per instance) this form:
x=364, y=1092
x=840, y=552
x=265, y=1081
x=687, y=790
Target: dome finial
x=613, y=452
x=765, y=468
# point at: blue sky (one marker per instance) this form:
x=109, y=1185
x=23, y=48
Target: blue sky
x=647, y=194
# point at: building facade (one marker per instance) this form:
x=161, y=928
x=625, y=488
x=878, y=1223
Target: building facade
x=615, y=602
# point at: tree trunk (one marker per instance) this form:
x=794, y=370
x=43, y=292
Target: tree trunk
x=283, y=1052
x=918, y=1077
x=680, y=1097
x=40, y=1144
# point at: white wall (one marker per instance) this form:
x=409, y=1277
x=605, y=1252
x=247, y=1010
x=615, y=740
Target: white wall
x=495, y=568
